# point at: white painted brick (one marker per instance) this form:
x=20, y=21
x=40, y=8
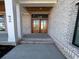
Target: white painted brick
x=62, y=23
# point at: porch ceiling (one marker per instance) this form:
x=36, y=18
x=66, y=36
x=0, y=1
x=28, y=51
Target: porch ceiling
x=38, y=3
x=38, y=8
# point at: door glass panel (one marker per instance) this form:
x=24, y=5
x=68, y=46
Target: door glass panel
x=36, y=26
x=43, y=26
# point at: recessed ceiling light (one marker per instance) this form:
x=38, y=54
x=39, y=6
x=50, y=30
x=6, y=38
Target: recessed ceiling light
x=40, y=8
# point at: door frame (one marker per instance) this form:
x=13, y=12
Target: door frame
x=39, y=25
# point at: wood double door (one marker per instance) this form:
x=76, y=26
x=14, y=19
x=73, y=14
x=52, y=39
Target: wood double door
x=39, y=25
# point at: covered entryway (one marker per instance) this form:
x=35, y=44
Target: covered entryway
x=35, y=24
x=35, y=19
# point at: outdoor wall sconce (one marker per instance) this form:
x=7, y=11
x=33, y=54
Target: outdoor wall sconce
x=76, y=31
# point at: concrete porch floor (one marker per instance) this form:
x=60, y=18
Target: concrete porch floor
x=34, y=51
x=36, y=38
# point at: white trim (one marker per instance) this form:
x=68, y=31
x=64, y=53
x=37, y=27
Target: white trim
x=9, y=7
x=18, y=20
x=30, y=2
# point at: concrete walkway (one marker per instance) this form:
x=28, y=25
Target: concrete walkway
x=34, y=51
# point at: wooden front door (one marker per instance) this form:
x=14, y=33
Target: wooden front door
x=39, y=25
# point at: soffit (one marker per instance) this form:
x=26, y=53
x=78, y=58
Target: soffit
x=37, y=3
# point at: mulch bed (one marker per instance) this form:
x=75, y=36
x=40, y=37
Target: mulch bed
x=4, y=49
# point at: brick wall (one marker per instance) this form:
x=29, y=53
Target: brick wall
x=61, y=27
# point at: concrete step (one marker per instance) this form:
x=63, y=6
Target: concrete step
x=36, y=38
x=35, y=41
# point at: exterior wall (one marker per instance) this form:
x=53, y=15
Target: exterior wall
x=3, y=37
x=26, y=22
x=61, y=27
x=3, y=34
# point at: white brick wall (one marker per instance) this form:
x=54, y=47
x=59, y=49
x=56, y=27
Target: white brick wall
x=61, y=26
x=26, y=21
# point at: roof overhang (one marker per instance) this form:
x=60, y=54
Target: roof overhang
x=37, y=3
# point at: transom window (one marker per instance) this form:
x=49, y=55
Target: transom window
x=39, y=15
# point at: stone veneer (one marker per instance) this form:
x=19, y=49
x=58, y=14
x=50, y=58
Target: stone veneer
x=61, y=29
